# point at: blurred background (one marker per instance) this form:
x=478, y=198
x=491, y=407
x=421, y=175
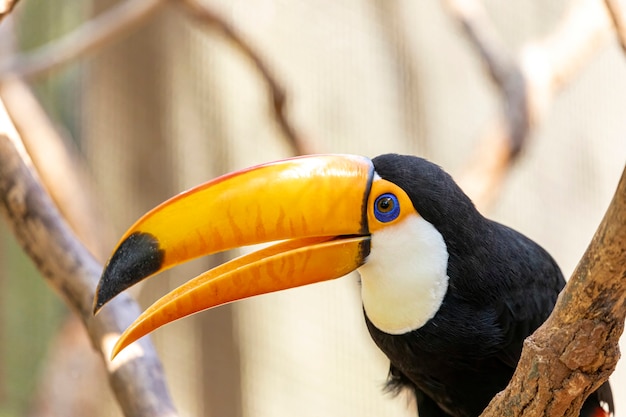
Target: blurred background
x=174, y=103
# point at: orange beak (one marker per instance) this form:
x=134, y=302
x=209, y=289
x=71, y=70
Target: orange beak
x=316, y=206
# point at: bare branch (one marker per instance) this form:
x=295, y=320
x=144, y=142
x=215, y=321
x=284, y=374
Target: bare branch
x=124, y=17
x=57, y=163
x=503, y=68
x=528, y=85
x=551, y=63
x=6, y=6
x=577, y=348
x=619, y=21
x=506, y=135
x=137, y=378
x=93, y=34
x=203, y=13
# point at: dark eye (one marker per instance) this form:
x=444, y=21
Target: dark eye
x=386, y=207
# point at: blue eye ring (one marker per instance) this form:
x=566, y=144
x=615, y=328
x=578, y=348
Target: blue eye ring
x=386, y=207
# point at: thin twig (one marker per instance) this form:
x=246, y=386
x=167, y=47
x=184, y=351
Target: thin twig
x=137, y=379
x=203, y=13
x=93, y=34
x=124, y=17
x=619, y=21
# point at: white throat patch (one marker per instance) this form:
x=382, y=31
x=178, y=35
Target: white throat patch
x=404, y=278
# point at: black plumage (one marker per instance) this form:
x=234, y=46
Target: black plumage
x=502, y=286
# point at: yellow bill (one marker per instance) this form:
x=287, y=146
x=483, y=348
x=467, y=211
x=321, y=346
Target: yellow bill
x=314, y=206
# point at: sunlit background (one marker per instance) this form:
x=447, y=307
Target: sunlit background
x=175, y=103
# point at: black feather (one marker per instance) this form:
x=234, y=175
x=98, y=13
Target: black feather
x=502, y=286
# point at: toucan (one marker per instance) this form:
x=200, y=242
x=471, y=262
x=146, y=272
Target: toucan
x=448, y=295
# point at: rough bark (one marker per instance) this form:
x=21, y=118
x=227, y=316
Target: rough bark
x=137, y=378
x=577, y=348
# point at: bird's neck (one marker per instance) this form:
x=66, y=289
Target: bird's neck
x=404, y=279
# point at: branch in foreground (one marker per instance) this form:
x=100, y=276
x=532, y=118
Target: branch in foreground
x=58, y=165
x=202, y=12
x=65, y=178
x=137, y=379
x=95, y=33
x=577, y=348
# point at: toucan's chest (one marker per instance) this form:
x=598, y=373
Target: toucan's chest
x=497, y=294
x=453, y=359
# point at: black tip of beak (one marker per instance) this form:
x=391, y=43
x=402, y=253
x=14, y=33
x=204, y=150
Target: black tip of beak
x=136, y=258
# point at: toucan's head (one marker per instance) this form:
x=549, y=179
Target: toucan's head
x=327, y=214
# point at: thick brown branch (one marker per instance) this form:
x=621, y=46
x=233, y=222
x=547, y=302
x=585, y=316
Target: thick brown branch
x=93, y=34
x=203, y=13
x=137, y=379
x=577, y=348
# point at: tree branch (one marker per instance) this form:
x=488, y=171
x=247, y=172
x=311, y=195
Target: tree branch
x=65, y=178
x=503, y=68
x=124, y=17
x=58, y=165
x=93, y=34
x=577, y=348
x=136, y=379
x=506, y=136
x=203, y=13
x=527, y=84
